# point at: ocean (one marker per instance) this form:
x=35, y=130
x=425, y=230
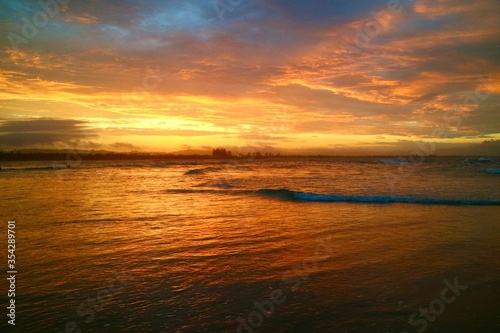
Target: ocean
x=269, y=245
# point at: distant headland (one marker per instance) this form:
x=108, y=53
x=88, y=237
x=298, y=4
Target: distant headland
x=62, y=155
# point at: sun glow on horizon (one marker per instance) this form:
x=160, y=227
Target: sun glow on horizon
x=252, y=78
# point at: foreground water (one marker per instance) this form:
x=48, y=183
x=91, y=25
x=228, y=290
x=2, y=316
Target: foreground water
x=325, y=245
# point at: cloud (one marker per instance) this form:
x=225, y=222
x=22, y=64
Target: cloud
x=47, y=132
x=94, y=59
x=124, y=146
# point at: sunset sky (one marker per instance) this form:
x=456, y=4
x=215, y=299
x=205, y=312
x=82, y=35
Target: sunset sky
x=334, y=77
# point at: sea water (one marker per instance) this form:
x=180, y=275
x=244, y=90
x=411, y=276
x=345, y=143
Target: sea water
x=283, y=245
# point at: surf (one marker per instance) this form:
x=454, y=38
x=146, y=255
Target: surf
x=493, y=171
x=288, y=195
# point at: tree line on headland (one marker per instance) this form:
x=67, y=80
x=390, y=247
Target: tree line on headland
x=223, y=153
x=71, y=155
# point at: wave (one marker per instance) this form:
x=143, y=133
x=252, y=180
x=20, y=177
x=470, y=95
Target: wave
x=298, y=196
x=223, y=185
x=201, y=171
x=388, y=161
x=285, y=194
x=219, y=185
x=493, y=171
x=194, y=172
x=481, y=160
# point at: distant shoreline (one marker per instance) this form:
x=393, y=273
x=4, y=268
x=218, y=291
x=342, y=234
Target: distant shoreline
x=67, y=156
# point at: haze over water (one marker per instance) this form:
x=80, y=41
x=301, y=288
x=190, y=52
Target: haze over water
x=200, y=246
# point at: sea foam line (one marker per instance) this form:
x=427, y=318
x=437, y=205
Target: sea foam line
x=285, y=194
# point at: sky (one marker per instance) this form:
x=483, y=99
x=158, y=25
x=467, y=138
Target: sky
x=336, y=77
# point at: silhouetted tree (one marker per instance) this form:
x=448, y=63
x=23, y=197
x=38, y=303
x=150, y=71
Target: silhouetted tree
x=221, y=152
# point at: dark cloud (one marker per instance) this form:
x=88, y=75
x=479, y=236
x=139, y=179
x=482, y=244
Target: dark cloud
x=42, y=125
x=124, y=146
x=43, y=132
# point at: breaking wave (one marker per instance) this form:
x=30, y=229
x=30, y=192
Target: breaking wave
x=493, y=171
x=285, y=194
x=194, y=172
x=481, y=160
x=201, y=171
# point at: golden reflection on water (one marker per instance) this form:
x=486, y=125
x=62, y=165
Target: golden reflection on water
x=188, y=252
